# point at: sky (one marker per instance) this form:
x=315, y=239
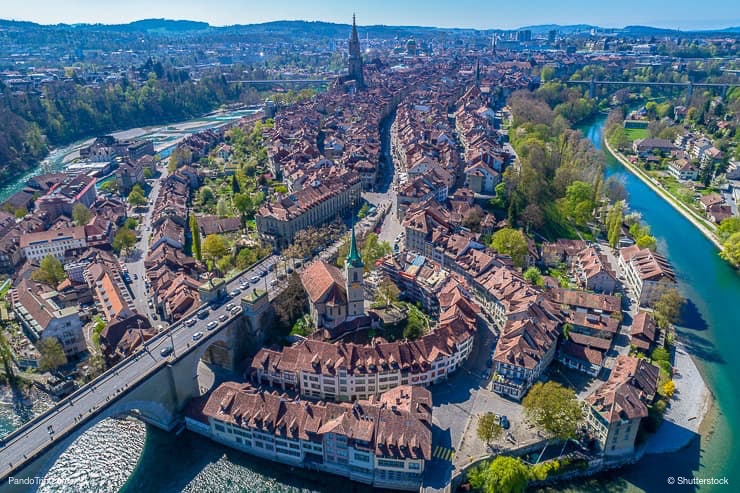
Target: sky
x=479, y=14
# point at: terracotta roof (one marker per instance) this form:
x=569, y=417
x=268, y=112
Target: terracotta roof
x=397, y=425
x=319, y=278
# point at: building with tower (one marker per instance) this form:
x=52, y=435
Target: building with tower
x=354, y=65
x=335, y=299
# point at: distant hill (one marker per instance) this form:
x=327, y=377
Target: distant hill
x=333, y=30
x=152, y=26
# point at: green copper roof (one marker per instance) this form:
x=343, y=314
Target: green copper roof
x=353, y=257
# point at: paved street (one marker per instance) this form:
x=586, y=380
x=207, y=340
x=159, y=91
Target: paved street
x=91, y=398
x=134, y=262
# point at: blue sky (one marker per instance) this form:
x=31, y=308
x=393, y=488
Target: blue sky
x=481, y=14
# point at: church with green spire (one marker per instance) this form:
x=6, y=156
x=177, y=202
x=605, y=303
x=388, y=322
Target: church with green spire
x=336, y=297
x=353, y=271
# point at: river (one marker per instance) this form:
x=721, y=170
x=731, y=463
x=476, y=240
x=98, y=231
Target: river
x=709, y=326
x=132, y=457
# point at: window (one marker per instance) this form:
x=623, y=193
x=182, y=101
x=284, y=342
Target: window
x=391, y=463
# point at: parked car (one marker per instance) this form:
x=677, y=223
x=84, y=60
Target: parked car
x=271, y=267
x=212, y=325
x=229, y=306
x=197, y=335
x=254, y=279
x=223, y=317
x=203, y=313
x=190, y=322
x=273, y=282
x=505, y=423
x=236, y=309
x=166, y=351
x=263, y=273
x=235, y=292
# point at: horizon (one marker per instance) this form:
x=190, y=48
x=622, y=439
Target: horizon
x=465, y=14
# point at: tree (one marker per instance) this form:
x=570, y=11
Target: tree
x=388, y=291
x=614, y=221
x=488, y=429
x=731, y=249
x=207, y=196
x=6, y=355
x=503, y=474
x=647, y=241
x=195, y=232
x=303, y=326
x=416, y=323
x=511, y=242
x=221, y=208
x=137, y=197
x=363, y=211
x=148, y=173
x=553, y=408
x=235, y=187
x=668, y=308
x=214, y=247
x=50, y=271
x=614, y=189
x=243, y=204
x=292, y=303
x=372, y=249
x=52, y=354
x=123, y=240
x=533, y=217
x=130, y=223
x=534, y=276
x=668, y=388
x=81, y=214
x=578, y=204
x=473, y=218
x=728, y=227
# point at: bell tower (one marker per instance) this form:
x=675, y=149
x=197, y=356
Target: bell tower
x=355, y=58
x=353, y=271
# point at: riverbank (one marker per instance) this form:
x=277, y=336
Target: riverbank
x=684, y=418
x=680, y=208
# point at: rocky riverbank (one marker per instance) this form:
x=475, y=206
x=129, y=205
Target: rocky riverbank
x=689, y=406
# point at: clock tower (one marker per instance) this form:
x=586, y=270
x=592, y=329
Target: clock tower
x=353, y=271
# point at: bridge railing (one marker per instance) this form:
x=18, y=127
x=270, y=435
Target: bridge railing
x=113, y=369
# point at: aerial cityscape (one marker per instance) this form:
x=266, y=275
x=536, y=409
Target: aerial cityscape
x=329, y=247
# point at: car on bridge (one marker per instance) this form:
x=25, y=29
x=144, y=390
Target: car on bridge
x=203, y=313
x=212, y=325
x=166, y=351
x=197, y=335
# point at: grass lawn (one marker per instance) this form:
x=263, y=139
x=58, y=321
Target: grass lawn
x=636, y=133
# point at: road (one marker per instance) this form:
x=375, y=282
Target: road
x=51, y=426
x=134, y=263
x=35, y=436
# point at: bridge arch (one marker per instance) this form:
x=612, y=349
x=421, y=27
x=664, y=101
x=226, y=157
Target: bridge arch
x=146, y=411
x=216, y=350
